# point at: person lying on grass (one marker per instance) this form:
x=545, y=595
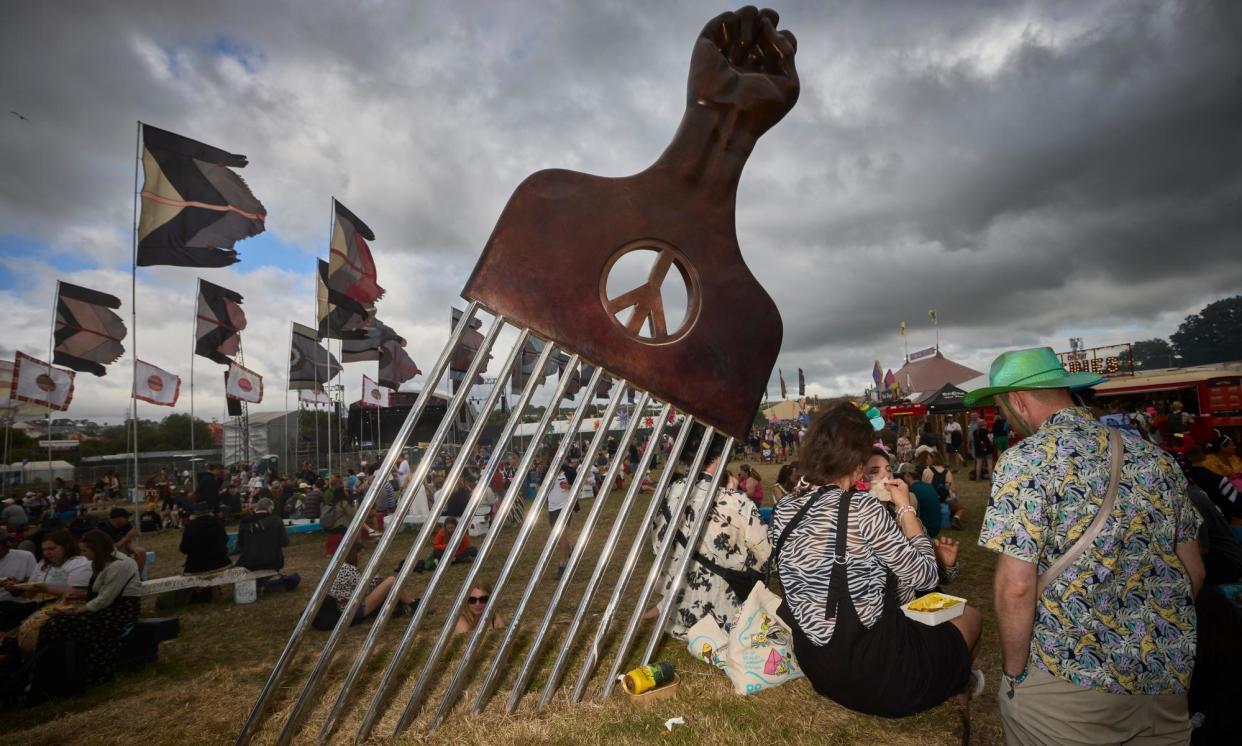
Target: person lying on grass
x=343, y=588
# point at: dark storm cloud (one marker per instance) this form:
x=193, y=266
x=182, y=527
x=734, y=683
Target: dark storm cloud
x=1023, y=167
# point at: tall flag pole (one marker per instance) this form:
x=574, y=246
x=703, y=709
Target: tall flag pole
x=904, y=341
x=51, y=346
x=133, y=308
x=198, y=292
x=935, y=319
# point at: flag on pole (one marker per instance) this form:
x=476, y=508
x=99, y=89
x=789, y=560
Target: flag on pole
x=351, y=269
x=243, y=384
x=373, y=394
x=527, y=357
x=376, y=334
x=220, y=320
x=890, y=380
x=10, y=407
x=314, y=397
x=877, y=373
x=801, y=383
x=463, y=354
x=309, y=364
x=902, y=329
x=931, y=314
x=784, y=394
x=88, y=333
x=38, y=382
x=395, y=366
x=194, y=208
x=338, y=315
x=155, y=385
x=575, y=379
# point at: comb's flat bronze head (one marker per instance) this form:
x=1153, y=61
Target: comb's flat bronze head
x=547, y=263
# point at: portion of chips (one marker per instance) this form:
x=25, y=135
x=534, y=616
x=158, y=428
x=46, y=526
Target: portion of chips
x=933, y=602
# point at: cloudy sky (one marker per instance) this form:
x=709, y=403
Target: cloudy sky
x=1034, y=171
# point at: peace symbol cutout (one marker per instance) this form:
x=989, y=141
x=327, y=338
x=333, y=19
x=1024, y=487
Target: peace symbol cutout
x=647, y=311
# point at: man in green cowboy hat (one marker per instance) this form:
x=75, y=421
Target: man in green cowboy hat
x=1099, y=650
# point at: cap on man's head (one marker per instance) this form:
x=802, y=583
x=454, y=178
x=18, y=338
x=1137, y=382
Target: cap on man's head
x=906, y=468
x=119, y=512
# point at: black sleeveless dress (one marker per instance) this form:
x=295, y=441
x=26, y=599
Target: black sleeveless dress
x=896, y=668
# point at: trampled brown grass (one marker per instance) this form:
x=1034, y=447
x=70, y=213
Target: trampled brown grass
x=203, y=685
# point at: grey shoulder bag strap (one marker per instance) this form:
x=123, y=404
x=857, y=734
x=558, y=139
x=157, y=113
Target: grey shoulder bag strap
x=1116, y=449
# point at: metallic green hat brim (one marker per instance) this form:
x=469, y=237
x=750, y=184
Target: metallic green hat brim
x=1073, y=381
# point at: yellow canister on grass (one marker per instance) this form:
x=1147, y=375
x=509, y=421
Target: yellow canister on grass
x=646, y=678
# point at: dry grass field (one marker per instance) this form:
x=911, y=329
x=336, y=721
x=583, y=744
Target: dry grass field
x=205, y=681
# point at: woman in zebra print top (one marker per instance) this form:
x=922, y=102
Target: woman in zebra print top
x=850, y=636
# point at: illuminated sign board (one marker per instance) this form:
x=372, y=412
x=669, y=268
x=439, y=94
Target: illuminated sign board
x=1112, y=361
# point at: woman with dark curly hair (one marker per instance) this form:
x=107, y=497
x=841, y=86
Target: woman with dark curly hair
x=840, y=561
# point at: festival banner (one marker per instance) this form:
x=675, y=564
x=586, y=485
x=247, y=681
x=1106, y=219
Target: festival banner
x=373, y=394
x=801, y=383
x=463, y=354
x=377, y=333
x=10, y=407
x=243, y=384
x=309, y=364
x=338, y=315
x=931, y=314
x=155, y=385
x=194, y=208
x=351, y=269
x=314, y=397
x=395, y=366
x=902, y=329
x=784, y=392
x=877, y=373
x=38, y=382
x=220, y=320
x=88, y=333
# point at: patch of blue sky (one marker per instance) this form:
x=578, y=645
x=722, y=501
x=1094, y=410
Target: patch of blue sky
x=266, y=250
x=247, y=56
x=14, y=249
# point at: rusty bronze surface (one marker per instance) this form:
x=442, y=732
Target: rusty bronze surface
x=546, y=263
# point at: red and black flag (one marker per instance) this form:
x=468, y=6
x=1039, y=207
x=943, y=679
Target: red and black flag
x=368, y=347
x=395, y=366
x=532, y=348
x=575, y=377
x=309, y=364
x=88, y=333
x=194, y=208
x=220, y=320
x=463, y=354
x=351, y=270
x=801, y=383
x=340, y=317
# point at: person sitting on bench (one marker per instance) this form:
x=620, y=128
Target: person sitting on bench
x=205, y=543
x=261, y=537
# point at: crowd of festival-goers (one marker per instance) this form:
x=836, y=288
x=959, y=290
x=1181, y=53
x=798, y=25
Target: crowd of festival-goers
x=1100, y=650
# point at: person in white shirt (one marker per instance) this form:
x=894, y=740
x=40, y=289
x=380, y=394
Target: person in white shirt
x=403, y=471
x=63, y=573
x=953, y=442
x=559, y=498
x=16, y=566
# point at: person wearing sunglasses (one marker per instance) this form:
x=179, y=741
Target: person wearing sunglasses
x=476, y=604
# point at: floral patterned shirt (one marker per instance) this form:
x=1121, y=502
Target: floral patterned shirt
x=734, y=539
x=1121, y=619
